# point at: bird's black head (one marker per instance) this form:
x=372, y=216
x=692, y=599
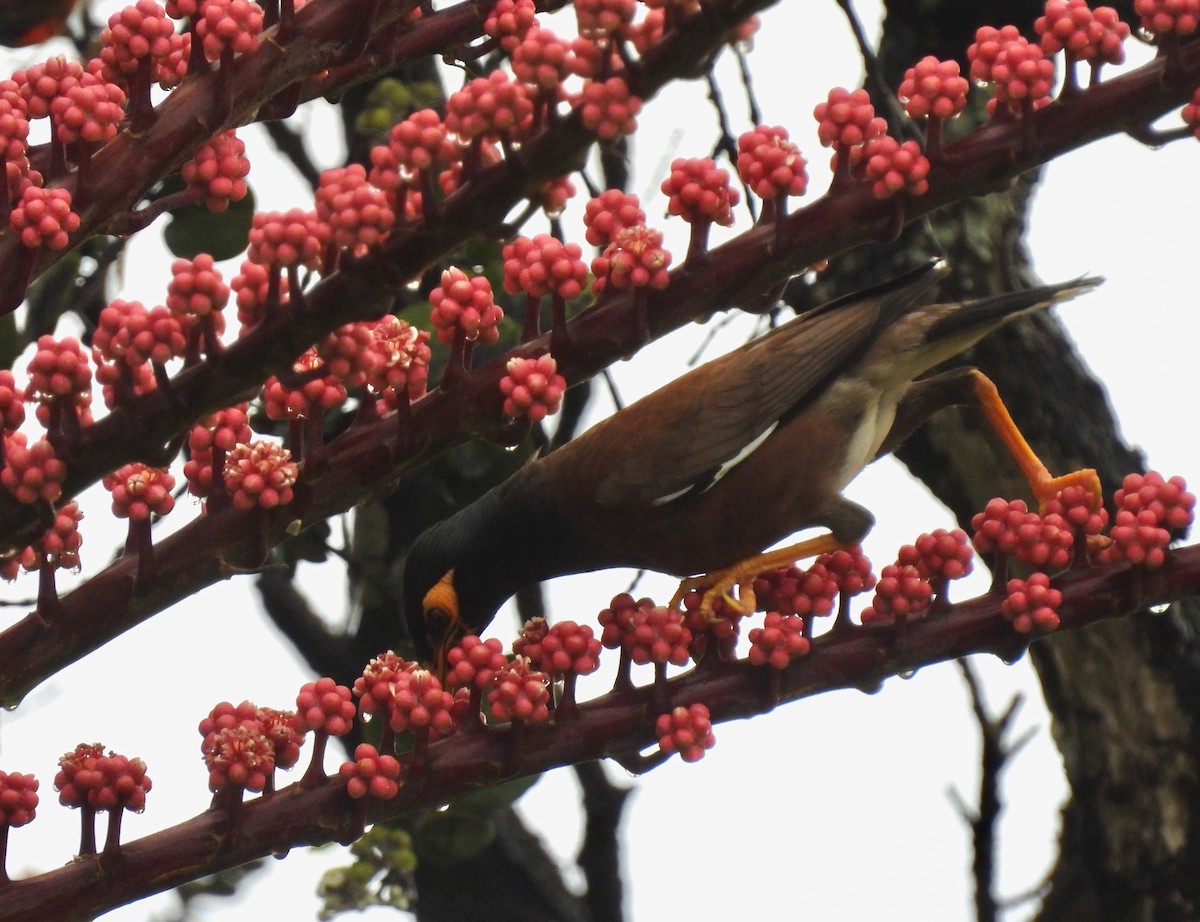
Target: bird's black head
x=460, y=571
x=431, y=606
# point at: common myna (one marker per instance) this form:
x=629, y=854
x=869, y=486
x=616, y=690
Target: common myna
x=738, y=454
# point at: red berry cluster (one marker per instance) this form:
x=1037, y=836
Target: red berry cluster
x=89, y=112
x=608, y=108
x=357, y=214
x=325, y=707
x=18, y=799
x=509, y=20
x=792, y=591
x=290, y=238
x=131, y=334
x=258, y=289
x=770, y=164
x=260, y=474
x=1019, y=71
x=88, y=777
x=351, y=354
x=635, y=258
x=566, y=647
x=933, y=89
x=544, y=265
x=405, y=366
x=228, y=26
x=138, y=32
x=1011, y=529
x=216, y=434
x=464, y=305
x=32, y=472
x=553, y=196
x=892, y=166
x=474, y=662
x=1031, y=604
x=532, y=388
x=1163, y=17
x=657, y=635
x=59, y=376
x=846, y=121
x=371, y=774
x=1086, y=34
x=218, y=171
x=1150, y=511
x=240, y=757
x=419, y=144
x=699, y=191
x=939, y=556
x=59, y=544
x=374, y=687
x=279, y=728
x=494, y=107
x=1078, y=507
x=851, y=568
x=41, y=84
x=598, y=19
x=984, y=51
x=686, y=730
x=417, y=703
x=617, y=620
x=520, y=693
x=900, y=593
x=139, y=491
x=43, y=217
x=609, y=213
x=542, y=61
x=196, y=288
x=779, y=641
x=12, y=402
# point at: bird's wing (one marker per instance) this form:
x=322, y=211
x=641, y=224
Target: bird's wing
x=680, y=437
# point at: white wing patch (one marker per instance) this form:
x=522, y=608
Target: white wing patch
x=721, y=471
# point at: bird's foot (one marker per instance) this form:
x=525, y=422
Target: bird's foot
x=718, y=584
x=1046, y=488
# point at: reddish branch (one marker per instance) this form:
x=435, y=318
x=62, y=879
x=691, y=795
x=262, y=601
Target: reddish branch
x=368, y=459
x=618, y=724
x=359, y=291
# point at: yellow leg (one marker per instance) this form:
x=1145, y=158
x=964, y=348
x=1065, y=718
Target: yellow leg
x=718, y=583
x=1044, y=486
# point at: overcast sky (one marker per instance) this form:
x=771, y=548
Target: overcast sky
x=866, y=777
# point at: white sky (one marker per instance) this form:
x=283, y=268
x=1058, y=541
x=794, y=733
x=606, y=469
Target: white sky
x=789, y=810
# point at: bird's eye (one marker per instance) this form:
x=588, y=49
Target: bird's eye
x=437, y=622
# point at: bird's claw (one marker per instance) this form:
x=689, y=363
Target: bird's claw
x=717, y=586
x=1047, y=488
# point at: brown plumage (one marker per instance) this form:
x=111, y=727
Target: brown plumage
x=27, y=22
x=726, y=460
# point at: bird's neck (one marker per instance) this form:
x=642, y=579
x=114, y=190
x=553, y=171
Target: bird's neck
x=514, y=538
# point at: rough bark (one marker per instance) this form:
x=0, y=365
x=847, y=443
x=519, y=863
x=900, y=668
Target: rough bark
x=1123, y=695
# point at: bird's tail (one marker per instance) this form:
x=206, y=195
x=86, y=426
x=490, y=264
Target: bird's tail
x=990, y=310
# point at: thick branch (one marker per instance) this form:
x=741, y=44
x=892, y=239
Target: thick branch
x=620, y=722
x=367, y=460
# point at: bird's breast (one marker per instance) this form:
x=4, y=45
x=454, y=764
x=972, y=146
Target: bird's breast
x=869, y=426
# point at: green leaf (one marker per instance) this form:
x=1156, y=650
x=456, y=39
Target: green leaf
x=454, y=836
x=193, y=229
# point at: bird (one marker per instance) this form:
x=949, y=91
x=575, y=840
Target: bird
x=29, y=22
x=732, y=457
